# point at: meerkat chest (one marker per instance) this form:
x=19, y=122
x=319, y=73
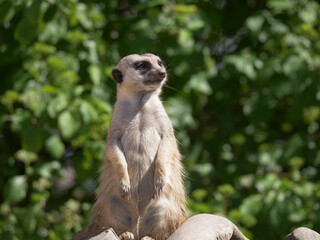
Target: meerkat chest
x=141, y=137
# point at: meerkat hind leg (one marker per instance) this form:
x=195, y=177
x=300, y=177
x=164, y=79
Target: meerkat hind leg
x=147, y=238
x=126, y=236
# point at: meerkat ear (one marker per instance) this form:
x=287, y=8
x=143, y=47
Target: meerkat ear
x=117, y=75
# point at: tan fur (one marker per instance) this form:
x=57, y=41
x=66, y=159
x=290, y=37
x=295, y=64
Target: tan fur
x=141, y=188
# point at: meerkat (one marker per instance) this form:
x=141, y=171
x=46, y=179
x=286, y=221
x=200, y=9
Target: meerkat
x=141, y=191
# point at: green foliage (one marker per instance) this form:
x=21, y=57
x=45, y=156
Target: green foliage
x=243, y=94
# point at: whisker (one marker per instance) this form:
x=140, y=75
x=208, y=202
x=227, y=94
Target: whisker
x=172, y=88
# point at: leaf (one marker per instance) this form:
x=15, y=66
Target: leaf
x=76, y=37
x=226, y=190
x=26, y=156
x=56, y=63
x=251, y=205
x=297, y=215
x=47, y=169
x=185, y=38
x=292, y=65
x=88, y=112
x=203, y=169
x=238, y=139
x=50, y=13
x=255, y=23
x=18, y=118
x=33, y=99
x=68, y=124
x=296, y=162
x=199, y=194
x=7, y=12
x=27, y=28
x=92, y=54
x=54, y=30
x=41, y=48
x=50, y=89
x=180, y=112
x=249, y=220
x=267, y=183
x=292, y=146
x=311, y=114
x=281, y=4
x=73, y=205
x=25, y=31
x=199, y=83
x=309, y=13
x=16, y=189
x=82, y=15
x=27, y=218
x=57, y=105
x=279, y=28
x=62, y=62
x=67, y=78
x=149, y=4
x=185, y=9
x=244, y=63
x=55, y=146
x=258, y=107
x=32, y=137
x=95, y=74
x=9, y=98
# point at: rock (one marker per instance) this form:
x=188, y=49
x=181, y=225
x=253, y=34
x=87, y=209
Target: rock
x=108, y=234
x=212, y=227
x=207, y=227
x=303, y=233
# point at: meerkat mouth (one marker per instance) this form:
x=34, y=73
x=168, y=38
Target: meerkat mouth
x=150, y=82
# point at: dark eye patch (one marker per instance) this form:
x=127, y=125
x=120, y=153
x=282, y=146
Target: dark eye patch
x=142, y=65
x=160, y=63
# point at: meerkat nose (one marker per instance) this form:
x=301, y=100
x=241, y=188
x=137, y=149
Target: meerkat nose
x=162, y=74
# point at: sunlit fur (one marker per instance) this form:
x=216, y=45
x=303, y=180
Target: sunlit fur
x=141, y=188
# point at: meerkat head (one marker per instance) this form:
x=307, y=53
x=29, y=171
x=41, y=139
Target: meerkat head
x=140, y=72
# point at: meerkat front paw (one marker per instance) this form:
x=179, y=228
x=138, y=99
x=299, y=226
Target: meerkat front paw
x=126, y=236
x=125, y=189
x=158, y=186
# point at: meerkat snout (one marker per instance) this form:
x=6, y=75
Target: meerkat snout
x=162, y=74
x=154, y=77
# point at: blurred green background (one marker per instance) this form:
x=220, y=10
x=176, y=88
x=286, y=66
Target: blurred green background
x=243, y=94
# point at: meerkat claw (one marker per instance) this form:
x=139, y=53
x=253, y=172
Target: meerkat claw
x=125, y=190
x=147, y=238
x=159, y=185
x=126, y=236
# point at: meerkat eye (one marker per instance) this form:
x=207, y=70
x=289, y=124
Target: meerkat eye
x=160, y=63
x=141, y=65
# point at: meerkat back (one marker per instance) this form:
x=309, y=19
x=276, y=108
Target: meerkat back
x=141, y=192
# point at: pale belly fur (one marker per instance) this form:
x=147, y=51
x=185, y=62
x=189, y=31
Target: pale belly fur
x=140, y=149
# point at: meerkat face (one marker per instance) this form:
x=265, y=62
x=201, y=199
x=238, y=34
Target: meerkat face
x=144, y=72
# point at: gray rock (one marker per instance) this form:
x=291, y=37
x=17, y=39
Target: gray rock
x=198, y=227
x=108, y=234
x=212, y=227
x=207, y=227
x=303, y=233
